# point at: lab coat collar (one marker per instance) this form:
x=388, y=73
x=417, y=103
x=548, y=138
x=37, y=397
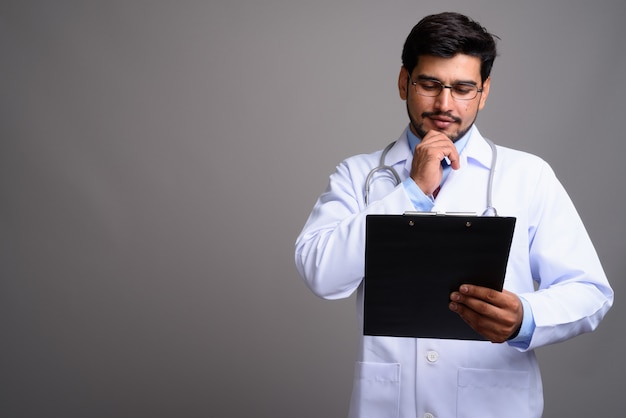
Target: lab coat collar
x=400, y=151
x=477, y=149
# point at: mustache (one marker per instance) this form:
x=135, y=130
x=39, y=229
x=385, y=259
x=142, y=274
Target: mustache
x=447, y=115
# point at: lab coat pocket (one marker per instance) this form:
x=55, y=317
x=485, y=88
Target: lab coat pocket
x=376, y=391
x=493, y=393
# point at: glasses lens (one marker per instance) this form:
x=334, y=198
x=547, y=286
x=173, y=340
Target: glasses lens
x=464, y=91
x=428, y=88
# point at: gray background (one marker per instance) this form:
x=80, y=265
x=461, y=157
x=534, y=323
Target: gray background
x=158, y=159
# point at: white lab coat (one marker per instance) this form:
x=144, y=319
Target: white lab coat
x=408, y=377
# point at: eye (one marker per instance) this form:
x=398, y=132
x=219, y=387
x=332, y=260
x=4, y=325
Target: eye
x=463, y=89
x=429, y=85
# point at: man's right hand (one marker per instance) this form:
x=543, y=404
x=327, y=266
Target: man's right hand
x=426, y=170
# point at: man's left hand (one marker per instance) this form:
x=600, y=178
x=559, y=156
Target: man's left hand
x=494, y=315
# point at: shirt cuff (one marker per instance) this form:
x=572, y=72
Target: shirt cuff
x=421, y=202
x=525, y=334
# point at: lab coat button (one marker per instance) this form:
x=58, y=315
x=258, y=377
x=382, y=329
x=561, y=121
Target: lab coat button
x=432, y=356
x=428, y=415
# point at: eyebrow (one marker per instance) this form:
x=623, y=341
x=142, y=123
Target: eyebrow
x=430, y=78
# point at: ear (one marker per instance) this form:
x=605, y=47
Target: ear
x=403, y=79
x=485, y=93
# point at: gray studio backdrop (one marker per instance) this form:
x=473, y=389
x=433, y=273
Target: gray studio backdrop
x=158, y=159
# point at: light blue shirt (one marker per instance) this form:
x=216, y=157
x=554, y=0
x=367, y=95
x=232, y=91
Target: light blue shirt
x=425, y=203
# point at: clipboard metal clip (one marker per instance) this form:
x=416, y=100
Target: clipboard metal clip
x=418, y=213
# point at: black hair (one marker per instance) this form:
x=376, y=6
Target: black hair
x=447, y=34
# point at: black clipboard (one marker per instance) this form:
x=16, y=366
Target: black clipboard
x=413, y=263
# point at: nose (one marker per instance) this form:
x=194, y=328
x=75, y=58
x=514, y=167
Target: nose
x=444, y=100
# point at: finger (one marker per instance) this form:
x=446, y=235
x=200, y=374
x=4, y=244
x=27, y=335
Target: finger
x=476, y=305
x=485, y=326
x=442, y=143
x=435, y=153
x=433, y=135
x=490, y=328
x=455, y=161
x=486, y=294
x=505, y=312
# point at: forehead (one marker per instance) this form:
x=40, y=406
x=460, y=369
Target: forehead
x=457, y=68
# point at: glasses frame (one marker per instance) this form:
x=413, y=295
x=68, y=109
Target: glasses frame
x=444, y=86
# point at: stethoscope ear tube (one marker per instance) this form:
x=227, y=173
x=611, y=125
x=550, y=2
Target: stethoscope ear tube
x=381, y=167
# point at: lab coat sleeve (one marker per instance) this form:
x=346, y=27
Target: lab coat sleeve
x=573, y=292
x=330, y=250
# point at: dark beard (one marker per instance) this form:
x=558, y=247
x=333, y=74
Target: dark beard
x=419, y=128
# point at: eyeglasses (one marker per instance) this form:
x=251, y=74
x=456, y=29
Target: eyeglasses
x=433, y=88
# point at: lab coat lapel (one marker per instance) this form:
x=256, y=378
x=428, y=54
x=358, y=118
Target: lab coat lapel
x=465, y=189
x=400, y=156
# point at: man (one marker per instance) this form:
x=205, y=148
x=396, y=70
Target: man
x=555, y=287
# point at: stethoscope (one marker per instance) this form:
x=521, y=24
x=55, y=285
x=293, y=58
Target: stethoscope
x=489, y=211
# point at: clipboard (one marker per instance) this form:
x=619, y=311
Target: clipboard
x=414, y=261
